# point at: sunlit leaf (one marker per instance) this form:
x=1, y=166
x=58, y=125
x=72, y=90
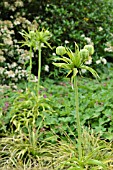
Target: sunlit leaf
x=94, y=73
x=63, y=65
x=96, y=162
x=65, y=59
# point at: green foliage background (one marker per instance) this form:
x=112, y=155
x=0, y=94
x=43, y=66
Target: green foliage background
x=67, y=20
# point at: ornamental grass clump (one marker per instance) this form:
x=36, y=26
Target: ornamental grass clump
x=74, y=62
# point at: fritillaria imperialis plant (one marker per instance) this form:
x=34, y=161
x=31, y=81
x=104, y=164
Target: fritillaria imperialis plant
x=28, y=104
x=35, y=40
x=74, y=62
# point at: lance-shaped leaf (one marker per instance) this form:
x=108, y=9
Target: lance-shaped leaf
x=63, y=65
x=94, y=73
x=96, y=162
x=69, y=73
x=65, y=59
x=77, y=60
x=75, y=71
x=75, y=57
x=70, y=53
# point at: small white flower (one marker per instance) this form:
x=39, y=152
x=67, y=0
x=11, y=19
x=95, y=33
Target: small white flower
x=104, y=60
x=19, y=4
x=66, y=41
x=15, y=87
x=88, y=62
x=19, y=76
x=109, y=49
x=88, y=39
x=10, y=73
x=98, y=61
x=16, y=22
x=100, y=28
x=82, y=35
x=15, y=40
x=2, y=59
x=16, y=71
x=19, y=67
x=8, y=41
x=6, y=4
x=47, y=68
x=2, y=70
x=16, y=79
x=54, y=54
x=13, y=65
x=83, y=70
x=11, y=17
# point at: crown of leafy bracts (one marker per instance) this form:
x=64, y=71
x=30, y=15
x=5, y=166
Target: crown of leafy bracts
x=36, y=38
x=74, y=61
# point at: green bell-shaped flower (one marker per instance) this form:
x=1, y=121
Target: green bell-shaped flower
x=84, y=54
x=60, y=50
x=90, y=48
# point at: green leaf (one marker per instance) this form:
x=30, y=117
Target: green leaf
x=75, y=71
x=69, y=73
x=63, y=65
x=96, y=162
x=94, y=73
x=70, y=53
x=65, y=59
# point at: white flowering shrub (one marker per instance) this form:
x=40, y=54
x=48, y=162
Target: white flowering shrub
x=13, y=58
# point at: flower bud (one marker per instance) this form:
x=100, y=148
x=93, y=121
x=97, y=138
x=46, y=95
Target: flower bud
x=84, y=54
x=90, y=48
x=60, y=50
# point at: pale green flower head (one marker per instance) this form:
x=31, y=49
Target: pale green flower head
x=90, y=48
x=60, y=50
x=84, y=54
x=36, y=39
x=74, y=61
x=43, y=37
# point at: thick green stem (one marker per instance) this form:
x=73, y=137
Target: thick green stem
x=78, y=118
x=30, y=69
x=39, y=71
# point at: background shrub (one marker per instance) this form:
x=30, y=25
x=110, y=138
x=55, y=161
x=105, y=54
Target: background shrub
x=81, y=21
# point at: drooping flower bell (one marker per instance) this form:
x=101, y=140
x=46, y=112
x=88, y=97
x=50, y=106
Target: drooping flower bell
x=60, y=50
x=90, y=48
x=84, y=54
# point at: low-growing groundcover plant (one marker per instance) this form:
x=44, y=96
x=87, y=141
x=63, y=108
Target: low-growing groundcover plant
x=62, y=155
x=62, y=120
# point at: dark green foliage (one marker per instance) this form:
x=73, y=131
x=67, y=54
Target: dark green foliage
x=68, y=20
